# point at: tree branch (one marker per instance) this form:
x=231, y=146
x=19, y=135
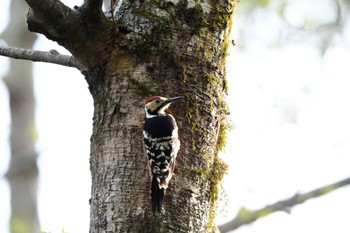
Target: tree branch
x=83, y=31
x=51, y=18
x=94, y=4
x=33, y=55
x=246, y=216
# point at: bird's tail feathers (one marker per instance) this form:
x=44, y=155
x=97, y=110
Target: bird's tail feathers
x=157, y=194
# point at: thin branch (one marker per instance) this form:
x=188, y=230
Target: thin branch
x=246, y=216
x=42, y=56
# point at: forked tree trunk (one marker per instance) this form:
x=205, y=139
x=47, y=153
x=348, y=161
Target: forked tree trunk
x=146, y=48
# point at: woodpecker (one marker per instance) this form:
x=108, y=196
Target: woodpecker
x=161, y=143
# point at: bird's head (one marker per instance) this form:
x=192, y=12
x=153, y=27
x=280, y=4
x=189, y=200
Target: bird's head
x=156, y=105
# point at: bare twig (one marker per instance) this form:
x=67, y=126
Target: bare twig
x=246, y=216
x=42, y=56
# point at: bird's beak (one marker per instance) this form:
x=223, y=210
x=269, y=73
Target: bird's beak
x=173, y=99
x=169, y=101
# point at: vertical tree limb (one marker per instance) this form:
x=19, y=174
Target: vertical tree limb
x=23, y=171
x=94, y=5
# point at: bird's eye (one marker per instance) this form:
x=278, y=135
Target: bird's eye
x=157, y=101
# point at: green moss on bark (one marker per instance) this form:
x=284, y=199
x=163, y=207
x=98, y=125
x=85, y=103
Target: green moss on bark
x=200, y=30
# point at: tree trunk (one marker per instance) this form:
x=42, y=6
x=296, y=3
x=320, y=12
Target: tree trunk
x=146, y=48
x=23, y=172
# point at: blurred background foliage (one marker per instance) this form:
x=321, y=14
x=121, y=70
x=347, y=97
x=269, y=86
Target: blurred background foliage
x=317, y=23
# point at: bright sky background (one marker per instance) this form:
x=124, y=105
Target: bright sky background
x=290, y=108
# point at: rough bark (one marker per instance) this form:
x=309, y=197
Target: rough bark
x=167, y=48
x=23, y=172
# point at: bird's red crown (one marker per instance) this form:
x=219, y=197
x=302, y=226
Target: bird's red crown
x=152, y=98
